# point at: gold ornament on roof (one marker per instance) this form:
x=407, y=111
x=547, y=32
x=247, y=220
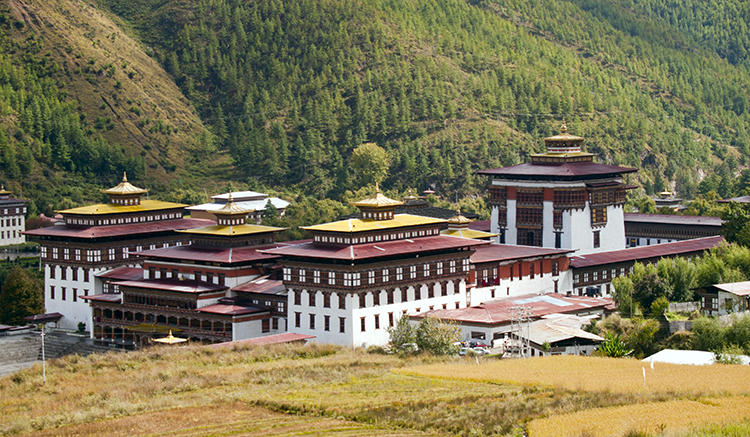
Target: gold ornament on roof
x=377, y=200
x=124, y=188
x=458, y=219
x=231, y=208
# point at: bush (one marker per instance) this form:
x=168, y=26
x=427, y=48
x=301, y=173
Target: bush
x=438, y=337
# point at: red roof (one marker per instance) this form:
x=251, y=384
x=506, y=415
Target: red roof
x=652, y=252
x=287, y=337
x=108, y=297
x=44, y=318
x=212, y=254
x=377, y=250
x=481, y=225
x=504, y=252
x=123, y=274
x=572, y=170
x=264, y=286
x=91, y=232
x=498, y=312
x=230, y=310
x=667, y=219
x=173, y=284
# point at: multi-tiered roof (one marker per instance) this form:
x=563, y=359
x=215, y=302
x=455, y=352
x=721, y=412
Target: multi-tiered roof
x=564, y=160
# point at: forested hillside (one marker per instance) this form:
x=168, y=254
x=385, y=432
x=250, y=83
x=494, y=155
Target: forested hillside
x=447, y=87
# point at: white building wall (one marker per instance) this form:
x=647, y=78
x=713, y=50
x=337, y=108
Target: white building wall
x=354, y=336
x=494, y=225
x=613, y=234
x=74, y=311
x=542, y=284
x=248, y=329
x=511, y=236
x=548, y=225
x=11, y=227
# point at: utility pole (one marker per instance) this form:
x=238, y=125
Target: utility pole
x=44, y=362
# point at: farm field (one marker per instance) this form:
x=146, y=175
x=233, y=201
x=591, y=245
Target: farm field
x=327, y=390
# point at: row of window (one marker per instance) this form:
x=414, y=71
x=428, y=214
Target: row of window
x=95, y=255
x=376, y=298
x=375, y=238
x=126, y=201
x=19, y=210
x=64, y=273
x=266, y=325
x=378, y=321
x=159, y=301
x=122, y=220
x=11, y=234
x=605, y=275
x=491, y=276
x=64, y=293
x=10, y=222
x=379, y=276
x=198, y=275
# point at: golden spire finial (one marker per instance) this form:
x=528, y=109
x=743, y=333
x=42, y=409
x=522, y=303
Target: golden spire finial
x=564, y=127
x=231, y=199
x=377, y=188
x=458, y=211
x=124, y=176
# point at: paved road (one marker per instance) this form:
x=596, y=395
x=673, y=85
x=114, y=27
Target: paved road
x=7, y=369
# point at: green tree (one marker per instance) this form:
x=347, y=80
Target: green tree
x=21, y=297
x=737, y=223
x=437, y=337
x=403, y=333
x=613, y=346
x=370, y=163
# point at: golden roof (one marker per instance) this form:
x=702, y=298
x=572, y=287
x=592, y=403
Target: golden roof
x=359, y=225
x=563, y=136
x=235, y=230
x=467, y=233
x=3, y=191
x=231, y=208
x=111, y=208
x=124, y=188
x=377, y=200
x=459, y=219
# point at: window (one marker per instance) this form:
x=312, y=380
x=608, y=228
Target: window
x=531, y=270
x=362, y=324
x=362, y=300
x=52, y=272
x=377, y=321
x=297, y=319
x=376, y=298
x=62, y=292
x=311, y=298
x=312, y=321
x=265, y=325
x=404, y=295
x=555, y=268
x=63, y=273
x=85, y=275
x=326, y=300
x=297, y=297
x=597, y=242
x=326, y=323
x=342, y=301
x=75, y=295
x=478, y=335
x=342, y=324
x=52, y=292
x=390, y=319
x=390, y=297
x=275, y=324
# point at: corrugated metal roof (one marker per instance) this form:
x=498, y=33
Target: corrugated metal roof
x=505, y=252
x=668, y=219
x=230, y=310
x=111, y=208
x=263, y=286
x=736, y=288
x=176, y=285
x=646, y=252
x=481, y=225
x=565, y=170
x=376, y=250
x=108, y=297
x=122, y=273
x=560, y=329
x=498, y=312
x=252, y=205
x=212, y=253
x=234, y=230
x=467, y=233
x=359, y=225
x=287, y=337
x=741, y=199
x=93, y=232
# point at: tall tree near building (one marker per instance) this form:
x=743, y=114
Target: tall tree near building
x=21, y=297
x=370, y=163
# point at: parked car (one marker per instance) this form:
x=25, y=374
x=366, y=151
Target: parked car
x=473, y=351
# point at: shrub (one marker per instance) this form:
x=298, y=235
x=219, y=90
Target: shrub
x=437, y=337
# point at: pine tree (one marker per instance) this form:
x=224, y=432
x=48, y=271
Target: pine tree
x=21, y=297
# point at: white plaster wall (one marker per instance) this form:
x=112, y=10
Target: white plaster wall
x=494, y=226
x=73, y=312
x=541, y=284
x=613, y=234
x=577, y=232
x=248, y=329
x=511, y=236
x=7, y=238
x=548, y=225
x=354, y=336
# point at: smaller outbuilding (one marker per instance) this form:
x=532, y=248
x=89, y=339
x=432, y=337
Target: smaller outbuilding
x=722, y=299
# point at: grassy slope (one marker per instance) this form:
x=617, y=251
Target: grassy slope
x=135, y=94
x=319, y=389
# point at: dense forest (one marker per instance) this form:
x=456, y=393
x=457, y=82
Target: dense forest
x=446, y=87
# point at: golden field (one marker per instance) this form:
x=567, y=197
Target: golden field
x=327, y=390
